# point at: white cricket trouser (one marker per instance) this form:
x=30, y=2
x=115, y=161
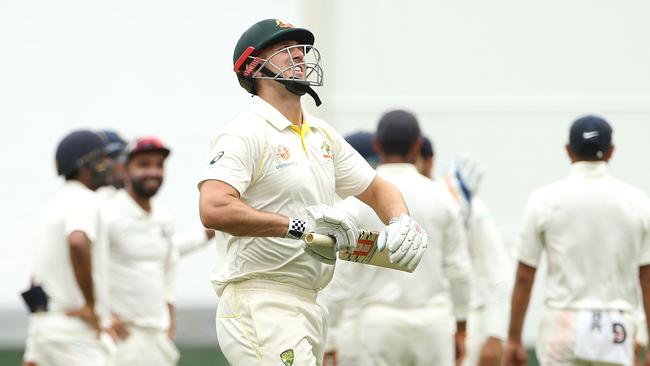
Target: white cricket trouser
x=29, y=354
x=557, y=337
x=59, y=340
x=145, y=347
x=415, y=336
x=262, y=322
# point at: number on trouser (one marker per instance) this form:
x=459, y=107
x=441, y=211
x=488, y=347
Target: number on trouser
x=620, y=335
x=601, y=336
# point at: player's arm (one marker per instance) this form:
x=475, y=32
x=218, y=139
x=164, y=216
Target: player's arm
x=80, y=258
x=82, y=265
x=644, y=277
x=171, y=332
x=456, y=265
x=384, y=198
x=222, y=209
x=530, y=249
x=520, y=297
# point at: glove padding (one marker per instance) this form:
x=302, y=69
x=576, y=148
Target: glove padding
x=329, y=221
x=405, y=240
x=326, y=255
x=464, y=178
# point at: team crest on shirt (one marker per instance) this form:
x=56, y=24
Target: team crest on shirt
x=282, y=154
x=326, y=149
x=287, y=357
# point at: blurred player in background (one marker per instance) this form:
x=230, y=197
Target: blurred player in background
x=595, y=231
x=488, y=314
x=115, y=145
x=272, y=176
x=71, y=262
x=142, y=260
x=393, y=317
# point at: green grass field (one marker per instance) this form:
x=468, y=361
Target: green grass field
x=189, y=357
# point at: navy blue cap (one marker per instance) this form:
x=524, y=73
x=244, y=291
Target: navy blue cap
x=362, y=142
x=590, y=137
x=426, y=150
x=77, y=149
x=115, y=144
x=397, y=131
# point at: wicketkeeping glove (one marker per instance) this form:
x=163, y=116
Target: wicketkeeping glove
x=405, y=240
x=463, y=179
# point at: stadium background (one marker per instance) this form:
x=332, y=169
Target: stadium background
x=501, y=80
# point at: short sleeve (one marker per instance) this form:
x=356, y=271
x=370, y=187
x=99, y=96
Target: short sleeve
x=232, y=160
x=83, y=214
x=531, y=239
x=353, y=174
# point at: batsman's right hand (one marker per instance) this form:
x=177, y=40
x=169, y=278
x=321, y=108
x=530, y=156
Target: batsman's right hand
x=329, y=221
x=405, y=239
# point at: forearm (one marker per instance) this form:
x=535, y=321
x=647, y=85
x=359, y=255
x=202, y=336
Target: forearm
x=520, y=298
x=385, y=199
x=238, y=219
x=172, y=315
x=82, y=265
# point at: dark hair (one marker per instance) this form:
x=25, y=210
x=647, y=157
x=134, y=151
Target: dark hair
x=397, y=131
x=426, y=151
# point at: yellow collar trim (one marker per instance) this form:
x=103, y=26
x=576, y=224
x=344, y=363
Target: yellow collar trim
x=302, y=131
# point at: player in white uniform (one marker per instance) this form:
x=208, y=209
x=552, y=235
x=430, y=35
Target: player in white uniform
x=71, y=261
x=142, y=260
x=595, y=231
x=273, y=175
x=411, y=312
x=488, y=316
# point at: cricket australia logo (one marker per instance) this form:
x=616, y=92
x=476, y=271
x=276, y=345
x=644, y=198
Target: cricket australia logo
x=282, y=154
x=326, y=149
x=287, y=357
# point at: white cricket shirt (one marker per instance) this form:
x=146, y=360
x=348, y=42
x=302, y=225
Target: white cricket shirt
x=142, y=261
x=445, y=268
x=493, y=271
x=278, y=169
x=595, y=230
x=73, y=208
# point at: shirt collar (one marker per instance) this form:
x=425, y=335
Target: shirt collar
x=75, y=184
x=397, y=168
x=129, y=205
x=589, y=168
x=265, y=110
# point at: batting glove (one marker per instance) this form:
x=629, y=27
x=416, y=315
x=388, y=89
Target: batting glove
x=463, y=179
x=327, y=221
x=405, y=240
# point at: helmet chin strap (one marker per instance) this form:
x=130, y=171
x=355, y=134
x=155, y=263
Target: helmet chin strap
x=296, y=87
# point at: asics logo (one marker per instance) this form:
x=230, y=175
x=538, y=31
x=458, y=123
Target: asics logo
x=590, y=134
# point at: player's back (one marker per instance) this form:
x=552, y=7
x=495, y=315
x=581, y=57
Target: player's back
x=593, y=228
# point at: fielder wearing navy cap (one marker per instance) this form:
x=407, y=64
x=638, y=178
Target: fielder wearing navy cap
x=78, y=149
x=362, y=142
x=397, y=131
x=590, y=138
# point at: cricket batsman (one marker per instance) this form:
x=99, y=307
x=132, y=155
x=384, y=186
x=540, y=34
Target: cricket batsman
x=272, y=176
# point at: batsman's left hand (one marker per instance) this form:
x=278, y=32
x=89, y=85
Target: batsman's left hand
x=406, y=241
